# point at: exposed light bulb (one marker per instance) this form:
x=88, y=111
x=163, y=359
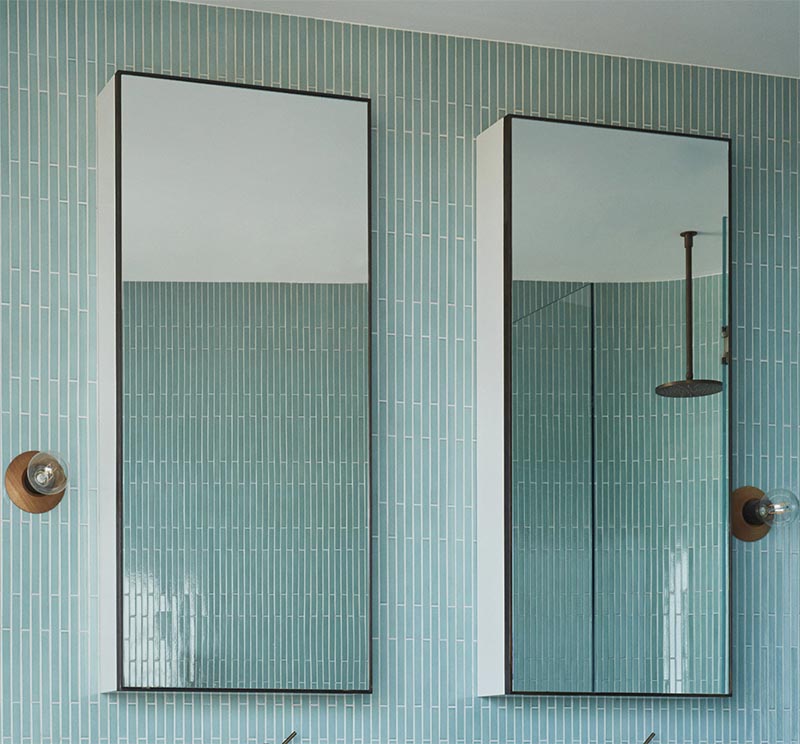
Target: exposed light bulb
x=47, y=473
x=778, y=507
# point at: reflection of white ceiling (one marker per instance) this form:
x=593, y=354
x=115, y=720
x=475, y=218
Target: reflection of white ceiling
x=607, y=205
x=754, y=35
x=232, y=184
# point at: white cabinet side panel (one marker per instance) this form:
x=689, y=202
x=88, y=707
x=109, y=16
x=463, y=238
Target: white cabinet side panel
x=490, y=411
x=106, y=386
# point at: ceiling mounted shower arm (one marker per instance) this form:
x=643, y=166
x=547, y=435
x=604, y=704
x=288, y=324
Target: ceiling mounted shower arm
x=688, y=243
x=689, y=387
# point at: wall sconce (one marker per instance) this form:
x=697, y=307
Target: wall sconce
x=754, y=513
x=36, y=481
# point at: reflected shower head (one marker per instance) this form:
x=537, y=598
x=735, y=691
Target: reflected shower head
x=689, y=388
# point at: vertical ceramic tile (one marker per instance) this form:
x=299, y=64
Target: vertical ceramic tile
x=423, y=565
x=661, y=548
x=551, y=473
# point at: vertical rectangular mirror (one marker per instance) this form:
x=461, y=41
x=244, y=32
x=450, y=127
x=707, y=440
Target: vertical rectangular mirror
x=242, y=376
x=611, y=294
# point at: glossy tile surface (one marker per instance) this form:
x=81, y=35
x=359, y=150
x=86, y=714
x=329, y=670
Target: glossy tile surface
x=431, y=96
x=619, y=550
x=552, y=530
x=661, y=568
x=245, y=526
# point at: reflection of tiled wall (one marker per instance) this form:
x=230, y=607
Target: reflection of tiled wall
x=551, y=501
x=431, y=95
x=659, y=606
x=245, y=528
x=661, y=514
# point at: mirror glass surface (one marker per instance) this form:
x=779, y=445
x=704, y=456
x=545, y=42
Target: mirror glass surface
x=619, y=543
x=244, y=388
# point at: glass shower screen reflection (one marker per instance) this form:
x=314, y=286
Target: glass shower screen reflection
x=618, y=529
x=244, y=384
x=552, y=451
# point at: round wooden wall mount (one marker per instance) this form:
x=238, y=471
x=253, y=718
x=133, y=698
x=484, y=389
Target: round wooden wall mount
x=21, y=493
x=740, y=528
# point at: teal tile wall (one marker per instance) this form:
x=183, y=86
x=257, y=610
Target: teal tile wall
x=431, y=96
x=661, y=568
x=551, y=486
x=619, y=587
x=245, y=485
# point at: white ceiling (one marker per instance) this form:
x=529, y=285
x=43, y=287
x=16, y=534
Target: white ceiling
x=231, y=184
x=592, y=204
x=754, y=35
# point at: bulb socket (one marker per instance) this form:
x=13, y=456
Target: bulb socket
x=751, y=513
x=746, y=523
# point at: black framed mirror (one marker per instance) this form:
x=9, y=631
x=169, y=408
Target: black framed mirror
x=242, y=377
x=612, y=292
